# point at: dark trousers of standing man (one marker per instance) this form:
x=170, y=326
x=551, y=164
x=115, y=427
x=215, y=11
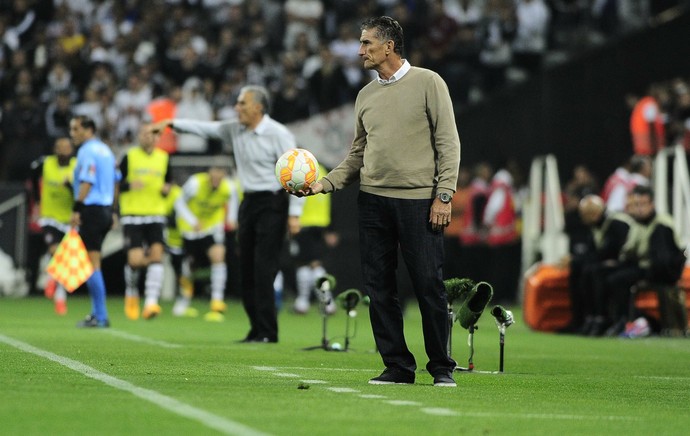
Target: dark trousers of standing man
x=262, y=227
x=384, y=225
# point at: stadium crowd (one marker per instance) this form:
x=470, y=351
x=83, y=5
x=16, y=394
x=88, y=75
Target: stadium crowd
x=115, y=61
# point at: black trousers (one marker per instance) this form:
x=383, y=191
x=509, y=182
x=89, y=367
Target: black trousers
x=384, y=225
x=262, y=227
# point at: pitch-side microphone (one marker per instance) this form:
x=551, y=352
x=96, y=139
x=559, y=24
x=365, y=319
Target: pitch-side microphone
x=503, y=317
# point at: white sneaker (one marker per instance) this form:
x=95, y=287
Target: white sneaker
x=301, y=305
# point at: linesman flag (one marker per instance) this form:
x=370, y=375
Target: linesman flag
x=70, y=265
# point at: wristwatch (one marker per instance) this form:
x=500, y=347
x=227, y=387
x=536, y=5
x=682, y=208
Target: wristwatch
x=444, y=197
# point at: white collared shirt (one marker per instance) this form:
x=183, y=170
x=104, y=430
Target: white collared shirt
x=397, y=76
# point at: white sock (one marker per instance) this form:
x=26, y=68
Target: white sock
x=219, y=275
x=131, y=281
x=305, y=282
x=60, y=293
x=154, y=283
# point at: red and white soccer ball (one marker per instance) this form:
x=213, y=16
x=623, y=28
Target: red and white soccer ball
x=297, y=169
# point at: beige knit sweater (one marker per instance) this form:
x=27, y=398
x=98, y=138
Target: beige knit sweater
x=406, y=143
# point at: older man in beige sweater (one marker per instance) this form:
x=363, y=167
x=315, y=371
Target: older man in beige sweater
x=406, y=155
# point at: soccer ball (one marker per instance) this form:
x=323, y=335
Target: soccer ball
x=297, y=169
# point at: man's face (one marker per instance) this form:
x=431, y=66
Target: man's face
x=147, y=139
x=63, y=149
x=372, y=50
x=249, y=111
x=590, y=216
x=642, y=206
x=78, y=133
x=216, y=175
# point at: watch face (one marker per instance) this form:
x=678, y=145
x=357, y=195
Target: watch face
x=444, y=197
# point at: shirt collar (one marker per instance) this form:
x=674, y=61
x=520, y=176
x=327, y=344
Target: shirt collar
x=261, y=127
x=397, y=75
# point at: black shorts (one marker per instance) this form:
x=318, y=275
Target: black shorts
x=140, y=235
x=310, y=245
x=96, y=221
x=197, y=250
x=52, y=235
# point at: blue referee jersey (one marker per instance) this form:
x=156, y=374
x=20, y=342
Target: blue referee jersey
x=96, y=166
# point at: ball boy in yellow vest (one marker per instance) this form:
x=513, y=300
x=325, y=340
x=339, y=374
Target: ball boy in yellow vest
x=208, y=204
x=54, y=192
x=146, y=179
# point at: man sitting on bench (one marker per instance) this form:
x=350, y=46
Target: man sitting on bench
x=651, y=255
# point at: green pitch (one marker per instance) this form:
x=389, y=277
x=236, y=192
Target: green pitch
x=187, y=376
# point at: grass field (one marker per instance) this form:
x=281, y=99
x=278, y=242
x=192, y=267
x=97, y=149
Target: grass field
x=186, y=376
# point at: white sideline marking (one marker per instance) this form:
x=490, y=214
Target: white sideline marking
x=285, y=374
x=659, y=377
x=403, y=403
x=140, y=339
x=439, y=411
x=315, y=369
x=265, y=368
x=548, y=416
x=343, y=390
x=315, y=382
x=208, y=419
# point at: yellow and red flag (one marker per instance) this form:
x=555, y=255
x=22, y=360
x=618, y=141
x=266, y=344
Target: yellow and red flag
x=70, y=265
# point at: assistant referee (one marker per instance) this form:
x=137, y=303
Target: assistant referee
x=95, y=176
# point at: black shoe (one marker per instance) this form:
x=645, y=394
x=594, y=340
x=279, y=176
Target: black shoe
x=392, y=376
x=257, y=340
x=572, y=328
x=616, y=329
x=598, y=327
x=91, y=322
x=444, y=379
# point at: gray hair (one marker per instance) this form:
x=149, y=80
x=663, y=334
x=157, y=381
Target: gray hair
x=260, y=95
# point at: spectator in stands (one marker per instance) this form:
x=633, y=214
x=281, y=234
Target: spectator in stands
x=501, y=221
x=91, y=107
x=440, y=35
x=131, y=103
x=496, y=32
x=454, y=263
x=302, y=16
x=57, y=116
x=328, y=86
x=616, y=192
x=653, y=254
x=59, y=80
x=531, y=37
x=193, y=106
x=291, y=103
x=473, y=232
x=344, y=48
x=647, y=127
x=23, y=130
